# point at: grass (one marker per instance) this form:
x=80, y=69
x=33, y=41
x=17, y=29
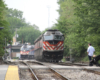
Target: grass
x=63, y=60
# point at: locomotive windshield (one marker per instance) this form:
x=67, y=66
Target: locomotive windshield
x=53, y=37
x=48, y=37
x=25, y=48
x=58, y=37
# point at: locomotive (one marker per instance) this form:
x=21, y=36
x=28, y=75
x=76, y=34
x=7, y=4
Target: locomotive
x=27, y=51
x=49, y=46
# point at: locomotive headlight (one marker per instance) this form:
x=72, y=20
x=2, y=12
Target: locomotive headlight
x=21, y=52
x=27, y=53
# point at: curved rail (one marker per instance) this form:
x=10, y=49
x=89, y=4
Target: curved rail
x=33, y=74
x=58, y=74
x=54, y=71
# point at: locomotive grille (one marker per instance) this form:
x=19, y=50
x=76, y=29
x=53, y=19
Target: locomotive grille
x=53, y=42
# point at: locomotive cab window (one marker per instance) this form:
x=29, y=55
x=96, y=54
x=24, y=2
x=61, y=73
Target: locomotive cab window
x=48, y=37
x=25, y=48
x=58, y=37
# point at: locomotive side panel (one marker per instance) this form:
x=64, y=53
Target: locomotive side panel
x=38, y=49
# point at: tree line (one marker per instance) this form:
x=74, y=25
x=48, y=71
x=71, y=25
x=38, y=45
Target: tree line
x=12, y=20
x=79, y=21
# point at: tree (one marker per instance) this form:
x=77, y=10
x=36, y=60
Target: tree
x=28, y=34
x=25, y=30
x=3, y=23
x=66, y=23
x=15, y=19
x=88, y=13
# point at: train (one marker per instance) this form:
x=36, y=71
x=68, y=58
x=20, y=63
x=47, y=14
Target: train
x=27, y=51
x=49, y=46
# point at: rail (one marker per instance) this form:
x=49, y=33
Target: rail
x=33, y=74
x=54, y=71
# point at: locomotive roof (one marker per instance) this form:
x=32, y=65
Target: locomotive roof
x=51, y=32
x=55, y=32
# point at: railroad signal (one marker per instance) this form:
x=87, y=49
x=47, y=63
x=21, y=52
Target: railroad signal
x=3, y=47
x=9, y=42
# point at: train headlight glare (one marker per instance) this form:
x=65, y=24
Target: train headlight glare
x=20, y=52
x=27, y=53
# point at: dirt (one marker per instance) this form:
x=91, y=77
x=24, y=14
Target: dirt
x=25, y=74
x=79, y=75
x=2, y=62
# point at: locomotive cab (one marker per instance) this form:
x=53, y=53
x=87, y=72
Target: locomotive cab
x=53, y=45
x=27, y=51
x=49, y=46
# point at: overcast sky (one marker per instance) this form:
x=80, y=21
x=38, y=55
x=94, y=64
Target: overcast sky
x=36, y=11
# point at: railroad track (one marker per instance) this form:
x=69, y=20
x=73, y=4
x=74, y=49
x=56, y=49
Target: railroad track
x=67, y=64
x=32, y=71
x=44, y=74
x=61, y=71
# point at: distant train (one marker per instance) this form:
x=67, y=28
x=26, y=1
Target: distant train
x=27, y=51
x=49, y=46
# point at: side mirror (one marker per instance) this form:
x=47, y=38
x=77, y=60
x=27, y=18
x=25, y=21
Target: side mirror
x=1, y=28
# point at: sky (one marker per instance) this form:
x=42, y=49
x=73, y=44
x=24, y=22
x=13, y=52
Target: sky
x=42, y=13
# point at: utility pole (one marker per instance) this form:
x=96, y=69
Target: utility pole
x=70, y=55
x=16, y=36
x=48, y=16
x=5, y=45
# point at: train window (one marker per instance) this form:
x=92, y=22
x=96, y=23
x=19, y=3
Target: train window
x=25, y=48
x=48, y=37
x=57, y=37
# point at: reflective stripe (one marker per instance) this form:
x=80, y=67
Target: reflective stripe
x=48, y=46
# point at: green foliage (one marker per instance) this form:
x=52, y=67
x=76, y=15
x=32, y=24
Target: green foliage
x=11, y=19
x=79, y=21
x=3, y=23
x=88, y=14
x=66, y=24
x=15, y=19
x=28, y=34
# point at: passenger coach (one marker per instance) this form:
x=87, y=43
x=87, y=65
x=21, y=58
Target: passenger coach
x=49, y=46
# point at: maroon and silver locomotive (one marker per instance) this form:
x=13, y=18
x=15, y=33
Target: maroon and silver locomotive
x=49, y=46
x=27, y=52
